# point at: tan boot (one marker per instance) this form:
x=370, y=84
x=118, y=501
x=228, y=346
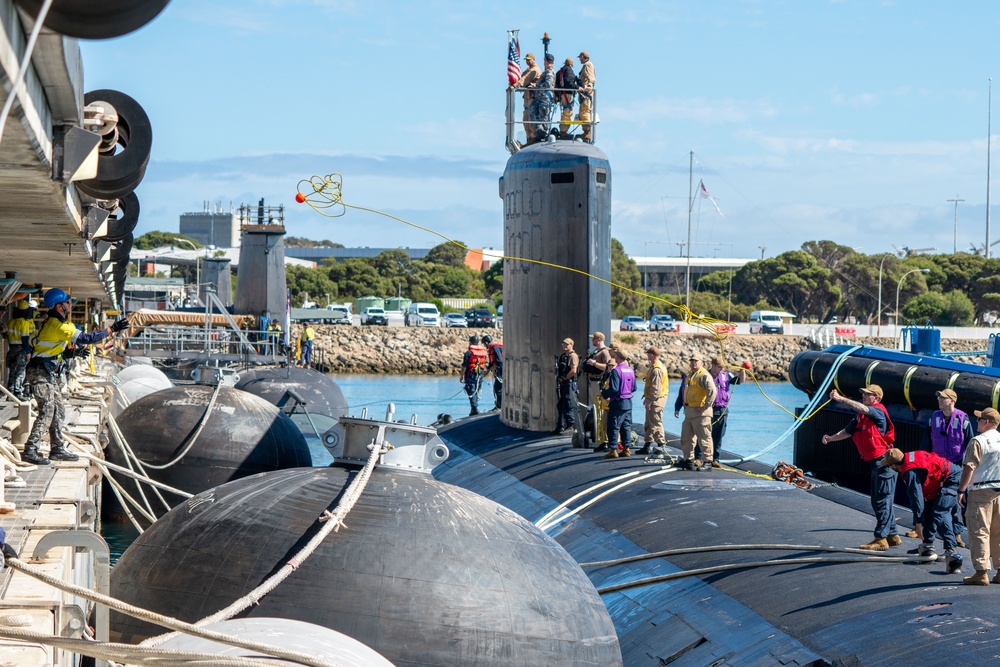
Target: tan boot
x=960, y=542
x=613, y=454
x=878, y=544
x=980, y=578
x=626, y=452
x=894, y=540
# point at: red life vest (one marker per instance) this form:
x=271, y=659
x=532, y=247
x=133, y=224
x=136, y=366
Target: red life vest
x=871, y=443
x=478, y=361
x=937, y=468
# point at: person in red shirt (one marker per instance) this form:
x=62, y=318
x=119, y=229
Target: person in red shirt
x=931, y=483
x=873, y=434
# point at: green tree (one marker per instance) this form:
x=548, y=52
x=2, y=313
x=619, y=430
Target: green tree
x=717, y=282
x=624, y=272
x=151, y=240
x=301, y=281
x=493, y=282
x=793, y=280
x=985, y=287
x=447, y=253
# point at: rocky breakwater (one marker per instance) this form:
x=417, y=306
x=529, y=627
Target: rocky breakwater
x=420, y=351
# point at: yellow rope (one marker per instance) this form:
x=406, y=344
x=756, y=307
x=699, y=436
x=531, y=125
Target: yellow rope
x=324, y=194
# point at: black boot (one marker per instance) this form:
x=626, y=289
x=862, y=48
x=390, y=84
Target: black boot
x=645, y=449
x=60, y=453
x=32, y=455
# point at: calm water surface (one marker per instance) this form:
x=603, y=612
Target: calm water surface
x=754, y=421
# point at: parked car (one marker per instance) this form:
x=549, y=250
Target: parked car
x=374, y=316
x=338, y=315
x=634, y=323
x=423, y=315
x=662, y=323
x=453, y=320
x=480, y=317
x=766, y=322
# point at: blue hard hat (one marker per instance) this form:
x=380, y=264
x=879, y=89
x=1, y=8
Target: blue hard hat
x=54, y=297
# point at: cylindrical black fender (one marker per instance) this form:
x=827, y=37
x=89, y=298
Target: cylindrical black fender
x=87, y=19
x=120, y=173
x=105, y=251
x=128, y=217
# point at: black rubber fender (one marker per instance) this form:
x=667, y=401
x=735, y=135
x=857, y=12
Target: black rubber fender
x=120, y=173
x=87, y=19
x=119, y=250
x=119, y=228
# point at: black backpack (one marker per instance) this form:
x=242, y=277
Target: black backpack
x=566, y=78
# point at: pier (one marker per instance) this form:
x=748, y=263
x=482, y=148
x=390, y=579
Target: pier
x=54, y=525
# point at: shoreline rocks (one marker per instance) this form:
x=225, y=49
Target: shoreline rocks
x=427, y=351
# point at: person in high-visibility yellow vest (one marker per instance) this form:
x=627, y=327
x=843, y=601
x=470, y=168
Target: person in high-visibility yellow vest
x=50, y=347
x=19, y=331
x=696, y=429
x=306, y=343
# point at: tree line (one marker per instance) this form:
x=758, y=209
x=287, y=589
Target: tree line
x=821, y=281
x=825, y=280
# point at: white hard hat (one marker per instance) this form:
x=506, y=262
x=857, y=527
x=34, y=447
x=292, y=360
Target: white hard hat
x=33, y=303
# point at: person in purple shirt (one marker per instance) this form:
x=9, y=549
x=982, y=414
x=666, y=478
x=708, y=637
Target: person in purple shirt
x=621, y=385
x=948, y=433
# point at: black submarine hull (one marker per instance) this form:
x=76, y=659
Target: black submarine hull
x=829, y=614
x=909, y=382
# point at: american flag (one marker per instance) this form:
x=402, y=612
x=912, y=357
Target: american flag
x=513, y=57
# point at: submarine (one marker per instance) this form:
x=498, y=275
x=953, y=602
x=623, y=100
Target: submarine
x=909, y=380
x=424, y=572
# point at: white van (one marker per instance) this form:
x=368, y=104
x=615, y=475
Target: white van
x=767, y=322
x=423, y=315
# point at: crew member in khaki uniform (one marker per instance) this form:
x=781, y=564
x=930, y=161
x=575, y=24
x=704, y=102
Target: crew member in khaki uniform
x=654, y=397
x=527, y=80
x=979, y=492
x=587, y=80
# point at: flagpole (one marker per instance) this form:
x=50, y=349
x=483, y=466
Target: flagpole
x=989, y=139
x=687, y=275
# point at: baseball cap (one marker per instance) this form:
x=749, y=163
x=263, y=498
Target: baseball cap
x=989, y=413
x=873, y=389
x=598, y=335
x=568, y=341
x=653, y=350
x=947, y=393
x=893, y=457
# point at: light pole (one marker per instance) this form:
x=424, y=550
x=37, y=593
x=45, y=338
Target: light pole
x=899, y=285
x=954, y=245
x=878, y=331
x=197, y=267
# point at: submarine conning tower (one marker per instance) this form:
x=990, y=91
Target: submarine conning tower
x=557, y=213
x=260, y=279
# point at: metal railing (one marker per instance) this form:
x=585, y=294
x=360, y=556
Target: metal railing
x=543, y=120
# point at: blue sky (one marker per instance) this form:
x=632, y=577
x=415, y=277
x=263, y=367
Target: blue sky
x=847, y=120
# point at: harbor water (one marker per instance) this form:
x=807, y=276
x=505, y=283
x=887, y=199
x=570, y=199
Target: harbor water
x=754, y=420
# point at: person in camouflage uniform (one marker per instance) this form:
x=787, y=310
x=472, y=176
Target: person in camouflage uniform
x=19, y=332
x=51, y=347
x=541, y=107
